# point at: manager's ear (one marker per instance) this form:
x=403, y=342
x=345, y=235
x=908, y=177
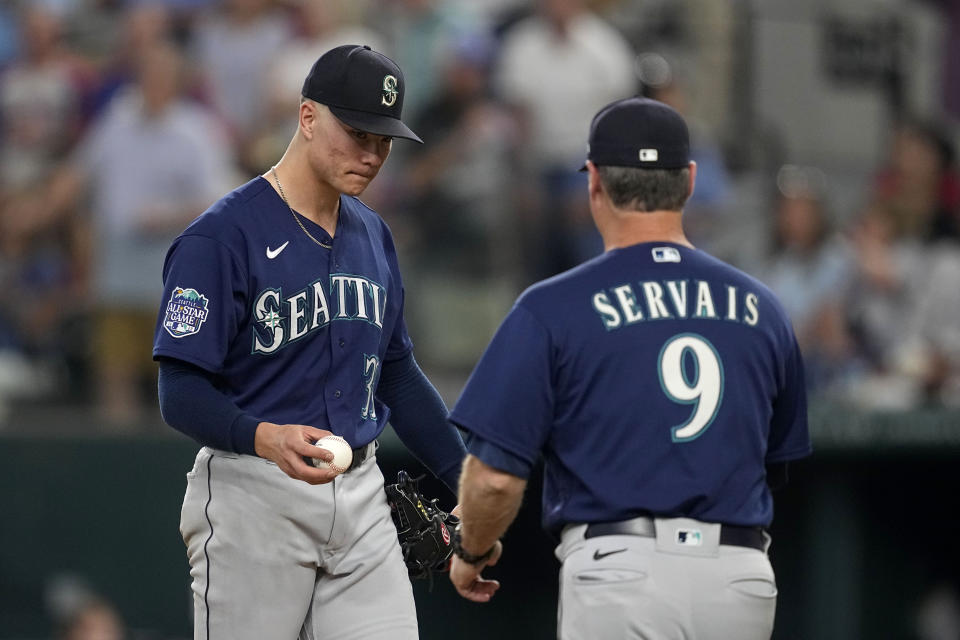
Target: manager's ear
x=594, y=183
x=693, y=178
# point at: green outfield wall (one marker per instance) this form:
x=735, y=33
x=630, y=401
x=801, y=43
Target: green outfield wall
x=865, y=531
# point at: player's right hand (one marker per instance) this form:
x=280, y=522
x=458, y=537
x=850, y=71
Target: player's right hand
x=290, y=445
x=467, y=580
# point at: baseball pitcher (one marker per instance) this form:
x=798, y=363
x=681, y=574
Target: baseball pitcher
x=282, y=323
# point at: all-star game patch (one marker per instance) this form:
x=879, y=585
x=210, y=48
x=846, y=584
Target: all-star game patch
x=186, y=311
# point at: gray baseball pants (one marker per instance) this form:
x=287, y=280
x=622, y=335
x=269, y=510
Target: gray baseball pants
x=655, y=588
x=273, y=557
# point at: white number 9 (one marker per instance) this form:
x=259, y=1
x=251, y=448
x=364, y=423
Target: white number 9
x=705, y=390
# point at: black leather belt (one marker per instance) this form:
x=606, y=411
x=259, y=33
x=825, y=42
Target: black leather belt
x=737, y=536
x=360, y=454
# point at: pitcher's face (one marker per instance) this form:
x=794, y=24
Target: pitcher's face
x=345, y=157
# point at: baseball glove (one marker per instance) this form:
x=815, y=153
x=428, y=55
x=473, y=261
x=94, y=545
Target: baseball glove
x=424, y=530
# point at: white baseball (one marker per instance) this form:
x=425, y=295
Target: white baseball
x=342, y=453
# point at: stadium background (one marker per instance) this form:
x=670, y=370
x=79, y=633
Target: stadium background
x=825, y=136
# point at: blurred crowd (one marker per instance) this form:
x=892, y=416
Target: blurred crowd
x=876, y=301
x=121, y=120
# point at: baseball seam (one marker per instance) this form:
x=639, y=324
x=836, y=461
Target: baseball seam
x=335, y=467
x=331, y=465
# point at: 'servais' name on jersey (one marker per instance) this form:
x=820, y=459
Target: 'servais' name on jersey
x=667, y=299
x=288, y=318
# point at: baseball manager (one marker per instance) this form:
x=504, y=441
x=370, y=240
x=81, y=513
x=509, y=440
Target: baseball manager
x=665, y=392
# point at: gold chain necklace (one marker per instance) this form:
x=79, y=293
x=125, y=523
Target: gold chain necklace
x=273, y=170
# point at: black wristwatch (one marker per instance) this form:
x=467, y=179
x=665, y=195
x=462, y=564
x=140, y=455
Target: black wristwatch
x=466, y=556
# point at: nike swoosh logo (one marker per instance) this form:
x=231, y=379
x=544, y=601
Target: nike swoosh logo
x=600, y=556
x=273, y=253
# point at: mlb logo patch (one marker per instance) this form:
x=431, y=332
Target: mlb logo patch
x=689, y=537
x=186, y=312
x=649, y=155
x=666, y=254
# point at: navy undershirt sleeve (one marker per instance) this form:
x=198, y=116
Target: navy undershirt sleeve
x=777, y=475
x=419, y=417
x=191, y=403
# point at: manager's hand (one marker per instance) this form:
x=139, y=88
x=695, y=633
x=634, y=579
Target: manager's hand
x=467, y=580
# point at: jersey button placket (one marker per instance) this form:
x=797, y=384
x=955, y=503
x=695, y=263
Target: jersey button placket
x=336, y=269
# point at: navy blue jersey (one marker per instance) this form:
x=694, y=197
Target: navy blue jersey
x=294, y=332
x=653, y=379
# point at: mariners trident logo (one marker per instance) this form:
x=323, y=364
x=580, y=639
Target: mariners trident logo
x=186, y=311
x=390, y=92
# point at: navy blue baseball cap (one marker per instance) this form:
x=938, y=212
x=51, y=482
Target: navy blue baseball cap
x=639, y=132
x=362, y=88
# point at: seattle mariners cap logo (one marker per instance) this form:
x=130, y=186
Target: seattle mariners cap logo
x=639, y=132
x=390, y=92
x=362, y=88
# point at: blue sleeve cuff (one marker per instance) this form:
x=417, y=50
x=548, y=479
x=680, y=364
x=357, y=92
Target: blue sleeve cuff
x=451, y=477
x=498, y=457
x=243, y=432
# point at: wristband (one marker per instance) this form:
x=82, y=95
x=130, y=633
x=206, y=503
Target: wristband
x=466, y=556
